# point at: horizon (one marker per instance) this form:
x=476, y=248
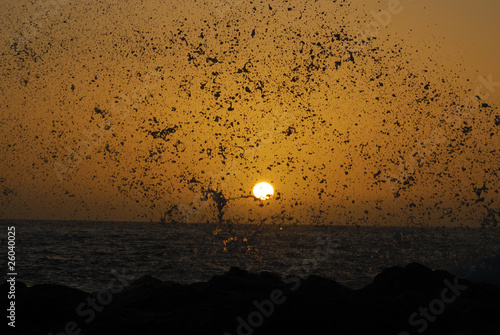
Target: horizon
x=260, y=224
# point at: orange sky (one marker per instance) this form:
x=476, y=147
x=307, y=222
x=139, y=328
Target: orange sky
x=120, y=110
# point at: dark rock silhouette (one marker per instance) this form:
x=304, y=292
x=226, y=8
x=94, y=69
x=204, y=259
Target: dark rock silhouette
x=239, y=302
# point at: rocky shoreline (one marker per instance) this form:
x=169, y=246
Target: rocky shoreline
x=401, y=300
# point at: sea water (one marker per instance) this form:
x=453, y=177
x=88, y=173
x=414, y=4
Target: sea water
x=84, y=254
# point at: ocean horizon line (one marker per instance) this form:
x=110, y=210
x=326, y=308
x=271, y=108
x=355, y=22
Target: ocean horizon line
x=289, y=225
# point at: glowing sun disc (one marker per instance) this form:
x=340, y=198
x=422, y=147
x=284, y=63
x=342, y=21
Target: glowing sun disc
x=263, y=191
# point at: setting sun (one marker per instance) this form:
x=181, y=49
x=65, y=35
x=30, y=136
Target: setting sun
x=263, y=191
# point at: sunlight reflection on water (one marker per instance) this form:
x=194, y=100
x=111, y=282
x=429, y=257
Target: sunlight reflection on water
x=82, y=254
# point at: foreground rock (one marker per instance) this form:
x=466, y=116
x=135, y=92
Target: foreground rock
x=409, y=300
